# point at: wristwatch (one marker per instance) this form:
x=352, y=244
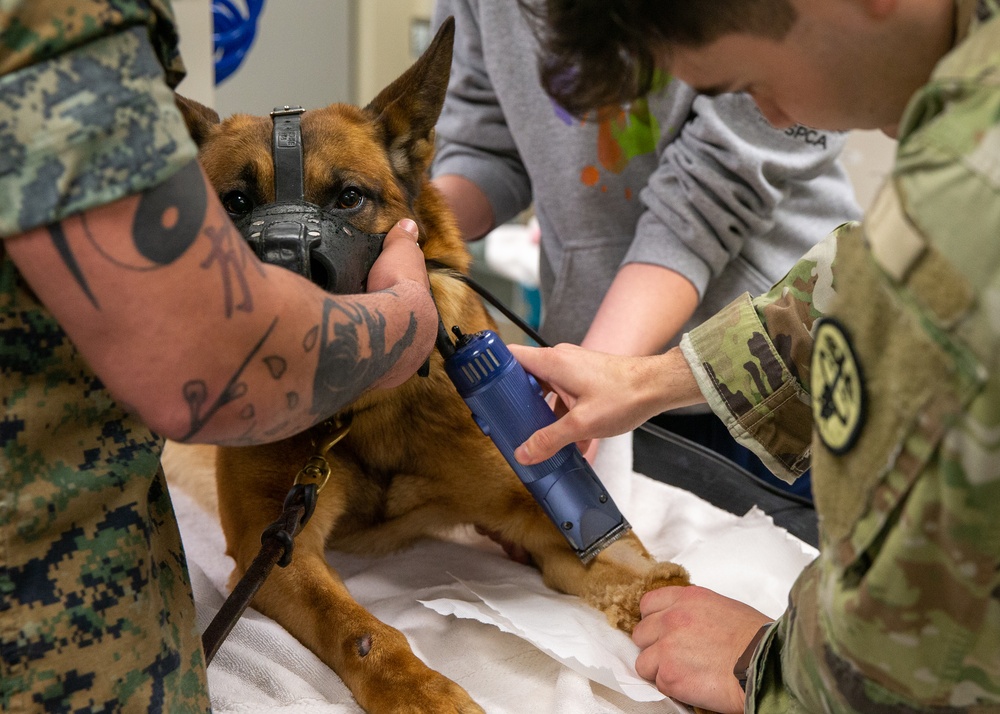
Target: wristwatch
x=742, y=668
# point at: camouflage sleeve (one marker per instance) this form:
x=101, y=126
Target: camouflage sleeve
x=751, y=361
x=87, y=113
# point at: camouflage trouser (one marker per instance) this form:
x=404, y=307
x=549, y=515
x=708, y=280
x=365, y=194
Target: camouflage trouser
x=96, y=611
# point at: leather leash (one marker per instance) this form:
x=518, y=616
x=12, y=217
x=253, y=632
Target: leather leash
x=277, y=540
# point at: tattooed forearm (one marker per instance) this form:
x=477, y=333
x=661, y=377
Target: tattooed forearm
x=342, y=373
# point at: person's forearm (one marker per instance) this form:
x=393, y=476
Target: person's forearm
x=202, y=340
x=644, y=309
x=294, y=366
x=672, y=383
x=468, y=203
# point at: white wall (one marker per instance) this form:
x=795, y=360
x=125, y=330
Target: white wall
x=308, y=52
x=304, y=53
x=384, y=39
x=868, y=158
x=194, y=23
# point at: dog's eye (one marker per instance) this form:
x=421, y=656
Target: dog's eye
x=350, y=197
x=237, y=204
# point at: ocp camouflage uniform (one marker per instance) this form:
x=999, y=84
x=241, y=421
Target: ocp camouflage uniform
x=96, y=611
x=899, y=408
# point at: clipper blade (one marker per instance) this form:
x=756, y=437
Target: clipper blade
x=588, y=554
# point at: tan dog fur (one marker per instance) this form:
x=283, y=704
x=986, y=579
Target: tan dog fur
x=414, y=462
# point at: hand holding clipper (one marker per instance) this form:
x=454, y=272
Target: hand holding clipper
x=508, y=406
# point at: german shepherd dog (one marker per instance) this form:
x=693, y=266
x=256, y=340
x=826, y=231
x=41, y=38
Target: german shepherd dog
x=414, y=462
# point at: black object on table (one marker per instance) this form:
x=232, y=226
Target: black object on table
x=672, y=459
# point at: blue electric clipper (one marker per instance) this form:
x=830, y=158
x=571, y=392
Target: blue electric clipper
x=508, y=405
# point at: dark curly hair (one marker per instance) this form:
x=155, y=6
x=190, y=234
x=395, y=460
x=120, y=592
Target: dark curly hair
x=597, y=53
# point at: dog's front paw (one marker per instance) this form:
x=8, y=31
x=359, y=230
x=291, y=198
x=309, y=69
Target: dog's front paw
x=621, y=602
x=433, y=693
x=395, y=680
x=442, y=695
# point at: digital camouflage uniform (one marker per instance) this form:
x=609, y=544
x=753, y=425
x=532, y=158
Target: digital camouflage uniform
x=901, y=610
x=96, y=612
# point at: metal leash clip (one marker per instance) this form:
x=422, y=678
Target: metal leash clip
x=277, y=540
x=317, y=469
x=314, y=475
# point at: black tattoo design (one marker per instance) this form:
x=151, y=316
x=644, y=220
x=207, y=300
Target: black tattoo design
x=232, y=255
x=196, y=392
x=167, y=222
x=62, y=247
x=342, y=373
x=276, y=366
x=169, y=217
x=280, y=429
x=311, y=338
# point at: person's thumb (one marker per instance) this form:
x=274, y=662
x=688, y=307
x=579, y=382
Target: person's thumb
x=406, y=229
x=400, y=259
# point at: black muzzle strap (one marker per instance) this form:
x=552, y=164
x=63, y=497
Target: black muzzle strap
x=286, y=147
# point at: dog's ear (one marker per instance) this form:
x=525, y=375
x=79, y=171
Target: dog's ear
x=408, y=109
x=200, y=119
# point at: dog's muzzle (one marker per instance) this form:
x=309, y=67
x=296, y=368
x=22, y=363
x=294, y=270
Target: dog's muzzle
x=299, y=235
x=314, y=243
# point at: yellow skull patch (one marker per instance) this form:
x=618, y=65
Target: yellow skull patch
x=838, y=393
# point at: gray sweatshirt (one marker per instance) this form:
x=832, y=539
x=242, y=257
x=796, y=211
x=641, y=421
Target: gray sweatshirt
x=703, y=186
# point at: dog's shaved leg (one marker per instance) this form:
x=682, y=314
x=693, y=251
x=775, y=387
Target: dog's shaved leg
x=613, y=582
